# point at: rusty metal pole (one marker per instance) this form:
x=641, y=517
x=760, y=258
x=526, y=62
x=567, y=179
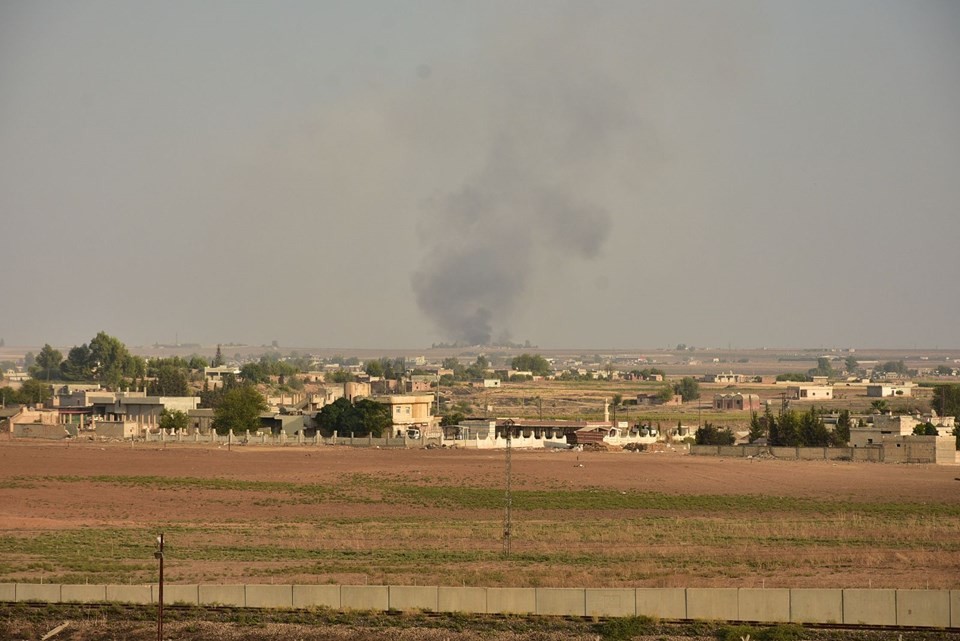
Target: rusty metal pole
x=159, y=556
x=508, y=493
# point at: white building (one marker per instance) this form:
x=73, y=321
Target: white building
x=810, y=392
x=889, y=389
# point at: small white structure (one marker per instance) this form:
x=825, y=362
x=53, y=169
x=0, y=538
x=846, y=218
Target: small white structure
x=886, y=425
x=723, y=377
x=889, y=389
x=215, y=375
x=810, y=392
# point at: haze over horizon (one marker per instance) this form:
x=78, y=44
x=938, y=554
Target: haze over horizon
x=399, y=174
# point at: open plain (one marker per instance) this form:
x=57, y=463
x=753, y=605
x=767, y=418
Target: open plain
x=86, y=512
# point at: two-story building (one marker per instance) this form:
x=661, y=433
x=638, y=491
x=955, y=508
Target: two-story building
x=412, y=414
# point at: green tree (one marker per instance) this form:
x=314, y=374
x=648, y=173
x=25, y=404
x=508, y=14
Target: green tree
x=254, y=373
x=373, y=368
x=374, y=417
x=47, y=364
x=477, y=371
x=329, y=418
x=946, y=399
x=197, y=362
x=785, y=430
x=823, y=368
x=174, y=420
x=29, y=359
x=217, y=359
x=688, y=388
x=453, y=418
x=758, y=427
x=792, y=429
x=239, y=410
x=894, y=367
x=170, y=381
x=534, y=363
x=925, y=429
x=707, y=434
x=35, y=392
x=112, y=361
x=796, y=377
x=813, y=433
x=453, y=364
x=339, y=376
x=843, y=426
x=360, y=419
x=9, y=396
x=665, y=394
x=78, y=365
x=880, y=405
x=211, y=398
x=851, y=364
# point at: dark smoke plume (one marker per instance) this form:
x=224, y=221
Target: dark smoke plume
x=557, y=132
x=483, y=243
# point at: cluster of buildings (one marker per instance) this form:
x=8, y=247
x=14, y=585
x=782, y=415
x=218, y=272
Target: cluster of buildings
x=77, y=409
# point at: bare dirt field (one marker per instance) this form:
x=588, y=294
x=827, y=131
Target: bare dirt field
x=88, y=512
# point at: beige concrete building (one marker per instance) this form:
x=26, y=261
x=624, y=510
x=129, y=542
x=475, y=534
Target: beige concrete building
x=214, y=375
x=412, y=412
x=810, y=392
x=736, y=402
x=354, y=389
x=653, y=398
x=724, y=378
x=37, y=423
x=144, y=411
x=886, y=425
x=890, y=389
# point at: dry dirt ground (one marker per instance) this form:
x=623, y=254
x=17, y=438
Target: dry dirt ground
x=87, y=512
x=668, y=473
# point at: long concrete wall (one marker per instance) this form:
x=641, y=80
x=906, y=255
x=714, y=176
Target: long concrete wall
x=915, y=608
x=889, y=452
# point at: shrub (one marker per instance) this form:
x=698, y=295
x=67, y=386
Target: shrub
x=625, y=628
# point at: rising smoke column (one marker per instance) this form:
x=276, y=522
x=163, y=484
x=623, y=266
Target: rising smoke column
x=560, y=144
x=482, y=244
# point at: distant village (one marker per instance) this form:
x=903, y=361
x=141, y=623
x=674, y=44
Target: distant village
x=856, y=409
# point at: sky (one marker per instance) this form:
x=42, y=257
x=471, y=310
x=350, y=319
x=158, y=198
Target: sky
x=401, y=173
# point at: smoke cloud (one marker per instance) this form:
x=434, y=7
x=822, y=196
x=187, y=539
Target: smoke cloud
x=558, y=123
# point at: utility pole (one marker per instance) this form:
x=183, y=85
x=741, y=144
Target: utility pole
x=508, y=496
x=159, y=556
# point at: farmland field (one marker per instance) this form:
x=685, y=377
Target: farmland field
x=86, y=512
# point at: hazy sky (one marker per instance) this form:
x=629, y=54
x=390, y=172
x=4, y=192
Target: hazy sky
x=393, y=174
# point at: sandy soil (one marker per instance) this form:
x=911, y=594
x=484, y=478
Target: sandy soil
x=33, y=501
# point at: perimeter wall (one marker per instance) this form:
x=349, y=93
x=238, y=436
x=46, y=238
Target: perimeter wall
x=890, y=452
x=888, y=607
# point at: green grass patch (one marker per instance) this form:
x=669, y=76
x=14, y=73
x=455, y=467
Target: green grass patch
x=365, y=489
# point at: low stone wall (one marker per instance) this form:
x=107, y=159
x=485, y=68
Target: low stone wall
x=914, y=608
x=875, y=454
x=277, y=440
